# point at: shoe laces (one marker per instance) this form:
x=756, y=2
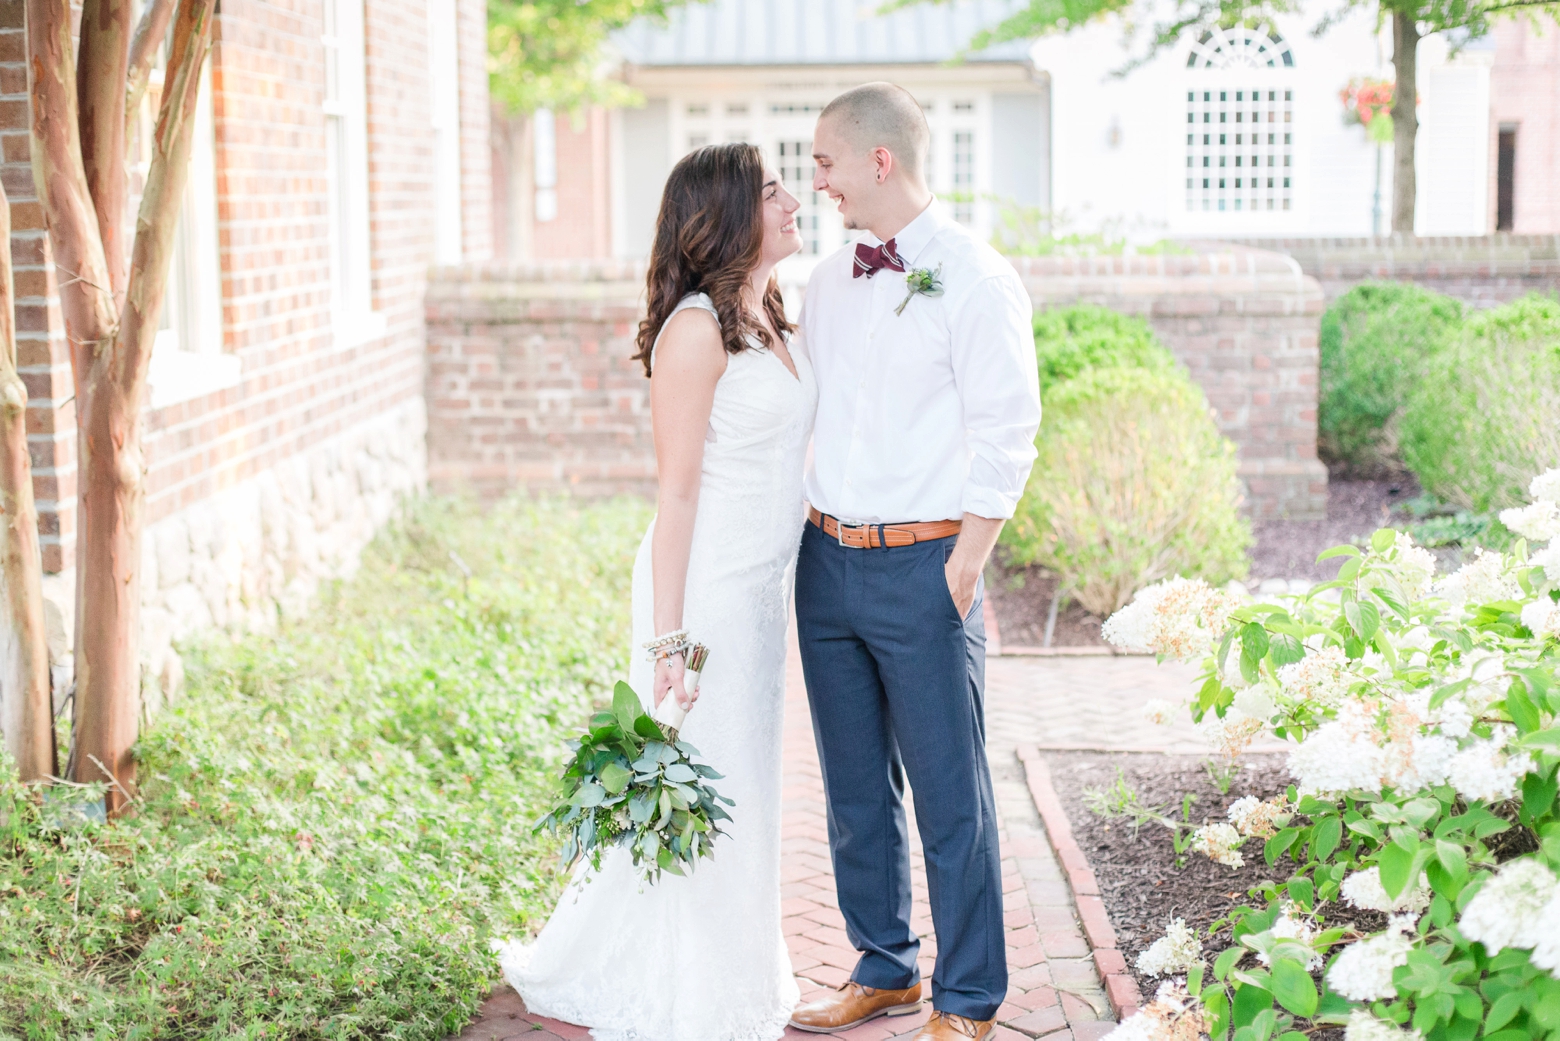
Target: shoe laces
x=962, y=1024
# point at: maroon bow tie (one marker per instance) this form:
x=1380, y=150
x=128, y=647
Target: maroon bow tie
x=870, y=258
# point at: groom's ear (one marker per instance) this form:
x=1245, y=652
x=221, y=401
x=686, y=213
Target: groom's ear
x=883, y=160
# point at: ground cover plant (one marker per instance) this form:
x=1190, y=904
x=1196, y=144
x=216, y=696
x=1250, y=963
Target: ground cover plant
x=1134, y=481
x=336, y=819
x=1421, y=711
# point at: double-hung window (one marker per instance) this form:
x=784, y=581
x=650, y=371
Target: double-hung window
x=346, y=145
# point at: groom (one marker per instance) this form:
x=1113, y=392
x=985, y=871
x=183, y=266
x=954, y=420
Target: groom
x=928, y=407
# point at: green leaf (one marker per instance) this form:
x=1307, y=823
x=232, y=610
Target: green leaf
x=648, y=729
x=615, y=777
x=1226, y=961
x=1382, y=539
x=1503, y=1011
x=1285, y=649
x=1520, y=707
x=1293, y=987
x=1396, y=864
x=590, y=794
x=681, y=772
x=1325, y=837
x=1337, y=551
x=1279, y=844
x=1249, y=1003
x=1302, y=891
x=625, y=706
x=1363, y=618
x=1538, y=794
x=1453, y=858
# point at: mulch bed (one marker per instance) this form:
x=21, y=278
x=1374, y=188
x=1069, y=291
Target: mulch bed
x=1139, y=882
x=1285, y=549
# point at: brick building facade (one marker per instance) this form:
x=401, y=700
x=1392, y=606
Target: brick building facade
x=1525, y=129
x=286, y=409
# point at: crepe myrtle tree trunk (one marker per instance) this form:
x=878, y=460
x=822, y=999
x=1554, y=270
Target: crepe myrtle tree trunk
x=20, y=563
x=1405, y=118
x=78, y=154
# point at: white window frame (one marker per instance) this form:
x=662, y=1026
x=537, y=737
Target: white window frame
x=444, y=98
x=188, y=360
x=544, y=164
x=346, y=144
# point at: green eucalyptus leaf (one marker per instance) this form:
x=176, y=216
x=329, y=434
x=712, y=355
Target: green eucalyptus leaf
x=615, y=777
x=681, y=772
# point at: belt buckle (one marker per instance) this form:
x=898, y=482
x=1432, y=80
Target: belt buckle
x=861, y=526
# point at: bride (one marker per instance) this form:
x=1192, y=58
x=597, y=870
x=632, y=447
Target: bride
x=702, y=958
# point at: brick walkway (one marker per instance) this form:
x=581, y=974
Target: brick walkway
x=1054, y=991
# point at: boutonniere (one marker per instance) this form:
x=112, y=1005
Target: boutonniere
x=921, y=281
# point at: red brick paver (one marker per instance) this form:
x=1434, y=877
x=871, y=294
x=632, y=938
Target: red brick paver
x=1054, y=990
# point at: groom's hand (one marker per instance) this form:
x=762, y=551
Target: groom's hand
x=961, y=585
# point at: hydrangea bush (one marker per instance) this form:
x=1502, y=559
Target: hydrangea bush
x=1421, y=716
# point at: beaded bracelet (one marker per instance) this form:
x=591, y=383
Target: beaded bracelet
x=667, y=639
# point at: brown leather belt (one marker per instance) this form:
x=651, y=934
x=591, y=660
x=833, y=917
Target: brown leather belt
x=874, y=536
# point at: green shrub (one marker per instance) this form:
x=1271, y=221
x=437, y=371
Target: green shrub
x=1134, y=483
x=336, y=819
x=1485, y=418
x=1072, y=340
x=1377, y=341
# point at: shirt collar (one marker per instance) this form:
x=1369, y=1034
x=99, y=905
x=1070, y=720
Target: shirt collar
x=918, y=234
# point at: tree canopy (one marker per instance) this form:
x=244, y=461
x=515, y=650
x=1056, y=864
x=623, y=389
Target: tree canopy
x=549, y=53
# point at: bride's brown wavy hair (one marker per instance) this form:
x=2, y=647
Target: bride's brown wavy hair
x=709, y=237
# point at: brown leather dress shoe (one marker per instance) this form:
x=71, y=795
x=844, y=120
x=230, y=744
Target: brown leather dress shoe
x=853, y=1005
x=945, y=1026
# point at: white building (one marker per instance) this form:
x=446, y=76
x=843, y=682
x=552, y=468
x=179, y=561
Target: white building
x=1230, y=133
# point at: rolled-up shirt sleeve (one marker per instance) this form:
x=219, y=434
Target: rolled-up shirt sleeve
x=993, y=353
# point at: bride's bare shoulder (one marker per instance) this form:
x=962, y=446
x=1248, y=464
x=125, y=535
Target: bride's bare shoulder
x=691, y=339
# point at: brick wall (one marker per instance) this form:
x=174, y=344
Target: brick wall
x=1483, y=270
x=302, y=381
x=257, y=491
x=1245, y=323
x=530, y=383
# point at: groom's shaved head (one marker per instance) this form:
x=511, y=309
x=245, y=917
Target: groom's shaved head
x=882, y=115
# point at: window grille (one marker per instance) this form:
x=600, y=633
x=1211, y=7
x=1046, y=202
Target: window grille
x=1239, y=135
x=796, y=172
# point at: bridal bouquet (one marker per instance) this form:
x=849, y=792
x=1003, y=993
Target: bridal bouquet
x=632, y=783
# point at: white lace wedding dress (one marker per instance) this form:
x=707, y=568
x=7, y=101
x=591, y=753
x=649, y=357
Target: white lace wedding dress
x=702, y=958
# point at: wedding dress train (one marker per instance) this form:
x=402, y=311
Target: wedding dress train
x=702, y=958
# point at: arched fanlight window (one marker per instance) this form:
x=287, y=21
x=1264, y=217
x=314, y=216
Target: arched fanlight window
x=1241, y=47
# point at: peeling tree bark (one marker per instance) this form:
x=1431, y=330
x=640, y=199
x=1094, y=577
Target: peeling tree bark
x=19, y=558
x=1405, y=118
x=111, y=337
x=101, y=66
x=143, y=52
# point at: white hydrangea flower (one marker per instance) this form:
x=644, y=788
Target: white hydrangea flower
x=1321, y=677
x=1363, y=889
x=1363, y=1026
x=1257, y=819
x=1485, y=770
x=1257, y=701
x=1548, y=558
x=1174, y=952
x=1507, y=910
x=1413, y=565
x=1288, y=927
x=1230, y=734
x=1415, y=643
x=1427, y=764
x=1173, y=1015
x=1159, y=711
x=1363, y=972
x=1546, y=486
x=1536, y=522
x=1179, y=618
x=1481, y=580
x=1546, y=952
x=1340, y=756
x=1220, y=843
x=1543, y=617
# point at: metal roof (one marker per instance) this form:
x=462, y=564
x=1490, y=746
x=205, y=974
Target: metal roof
x=818, y=32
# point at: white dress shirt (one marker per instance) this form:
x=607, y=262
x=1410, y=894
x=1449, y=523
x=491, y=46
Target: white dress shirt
x=932, y=413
